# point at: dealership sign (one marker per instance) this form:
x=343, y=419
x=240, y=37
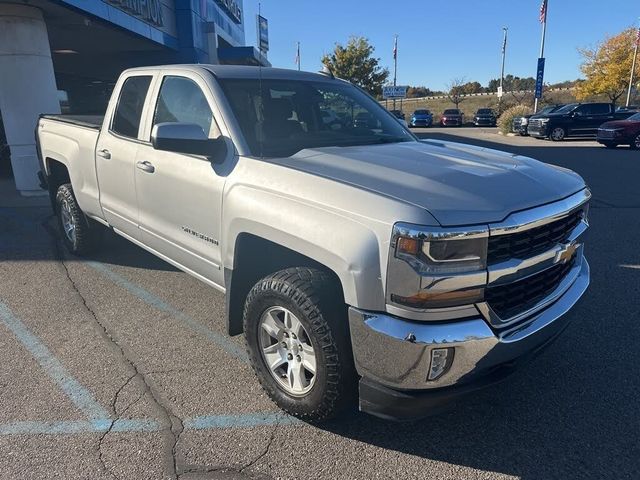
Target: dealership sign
x=148, y=10
x=539, y=78
x=394, y=91
x=232, y=8
x=263, y=34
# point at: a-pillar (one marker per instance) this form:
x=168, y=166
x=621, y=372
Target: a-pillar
x=27, y=87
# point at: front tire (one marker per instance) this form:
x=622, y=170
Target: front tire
x=297, y=336
x=80, y=234
x=558, y=134
x=635, y=144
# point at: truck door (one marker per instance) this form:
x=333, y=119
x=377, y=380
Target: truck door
x=180, y=195
x=116, y=152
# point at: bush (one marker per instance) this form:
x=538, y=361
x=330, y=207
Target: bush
x=505, y=120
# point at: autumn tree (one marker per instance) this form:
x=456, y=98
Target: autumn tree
x=355, y=63
x=455, y=91
x=607, y=67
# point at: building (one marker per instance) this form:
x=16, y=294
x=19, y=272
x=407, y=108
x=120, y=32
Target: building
x=65, y=55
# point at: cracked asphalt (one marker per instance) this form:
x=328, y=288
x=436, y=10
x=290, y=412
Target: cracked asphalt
x=117, y=367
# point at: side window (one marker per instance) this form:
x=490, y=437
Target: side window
x=599, y=109
x=182, y=100
x=126, y=119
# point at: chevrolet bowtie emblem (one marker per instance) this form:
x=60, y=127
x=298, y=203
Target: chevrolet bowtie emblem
x=566, y=252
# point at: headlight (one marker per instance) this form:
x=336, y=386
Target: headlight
x=524, y=121
x=444, y=256
x=437, y=268
x=544, y=120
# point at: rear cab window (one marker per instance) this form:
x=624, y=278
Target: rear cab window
x=128, y=112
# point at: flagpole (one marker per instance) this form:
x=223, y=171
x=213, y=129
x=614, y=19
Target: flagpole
x=395, y=66
x=544, y=33
x=633, y=66
x=298, y=56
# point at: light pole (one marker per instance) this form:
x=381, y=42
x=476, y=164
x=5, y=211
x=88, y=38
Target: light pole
x=504, y=52
x=395, y=66
x=633, y=66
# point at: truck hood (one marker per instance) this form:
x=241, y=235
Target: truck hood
x=458, y=184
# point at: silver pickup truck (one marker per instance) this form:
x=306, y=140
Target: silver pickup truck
x=359, y=262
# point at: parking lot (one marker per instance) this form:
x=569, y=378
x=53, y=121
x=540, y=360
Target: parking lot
x=117, y=366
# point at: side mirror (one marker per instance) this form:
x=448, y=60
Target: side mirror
x=187, y=138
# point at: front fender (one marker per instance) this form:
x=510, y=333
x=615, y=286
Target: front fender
x=344, y=245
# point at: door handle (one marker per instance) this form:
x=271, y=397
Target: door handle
x=104, y=153
x=146, y=166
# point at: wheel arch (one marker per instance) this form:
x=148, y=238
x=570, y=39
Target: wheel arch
x=254, y=253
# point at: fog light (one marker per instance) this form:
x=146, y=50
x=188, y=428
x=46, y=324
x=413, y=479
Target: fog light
x=441, y=360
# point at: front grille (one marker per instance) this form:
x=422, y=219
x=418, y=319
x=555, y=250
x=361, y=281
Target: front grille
x=604, y=133
x=514, y=298
x=535, y=124
x=533, y=241
x=517, y=122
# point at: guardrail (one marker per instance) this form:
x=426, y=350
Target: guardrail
x=482, y=94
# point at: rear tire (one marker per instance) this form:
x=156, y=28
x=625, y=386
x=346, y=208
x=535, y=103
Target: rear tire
x=80, y=234
x=297, y=335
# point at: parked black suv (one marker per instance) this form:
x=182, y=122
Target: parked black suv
x=574, y=120
x=519, y=124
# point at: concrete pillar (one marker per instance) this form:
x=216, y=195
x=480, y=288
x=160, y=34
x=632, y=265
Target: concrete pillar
x=27, y=87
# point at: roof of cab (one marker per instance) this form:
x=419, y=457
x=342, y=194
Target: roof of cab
x=242, y=72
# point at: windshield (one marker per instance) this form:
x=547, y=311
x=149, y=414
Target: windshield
x=635, y=116
x=421, y=112
x=291, y=115
x=567, y=108
x=484, y=111
x=451, y=111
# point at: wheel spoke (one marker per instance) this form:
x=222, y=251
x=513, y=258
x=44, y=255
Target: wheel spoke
x=274, y=357
x=296, y=326
x=309, y=363
x=272, y=324
x=295, y=376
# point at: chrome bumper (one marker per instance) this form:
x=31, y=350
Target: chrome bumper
x=397, y=353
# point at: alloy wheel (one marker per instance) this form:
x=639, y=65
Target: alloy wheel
x=287, y=351
x=557, y=134
x=68, y=222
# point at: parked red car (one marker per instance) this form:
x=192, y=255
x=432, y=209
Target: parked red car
x=452, y=117
x=620, y=132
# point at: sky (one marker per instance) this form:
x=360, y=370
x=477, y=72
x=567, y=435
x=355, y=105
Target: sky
x=439, y=40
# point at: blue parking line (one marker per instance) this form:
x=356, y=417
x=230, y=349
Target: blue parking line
x=66, y=427
x=78, y=394
x=149, y=298
x=246, y=420
x=205, y=422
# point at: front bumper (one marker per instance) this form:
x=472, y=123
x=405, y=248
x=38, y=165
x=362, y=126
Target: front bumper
x=421, y=123
x=393, y=355
x=538, y=131
x=484, y=122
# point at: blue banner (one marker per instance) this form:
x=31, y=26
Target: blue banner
x=539, y=77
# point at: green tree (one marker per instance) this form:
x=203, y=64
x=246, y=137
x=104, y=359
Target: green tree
x=355, y=62
x=607, y=67
x=472, y=87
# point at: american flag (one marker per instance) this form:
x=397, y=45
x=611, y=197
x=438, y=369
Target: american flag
x=395, y=48
x=543, y=11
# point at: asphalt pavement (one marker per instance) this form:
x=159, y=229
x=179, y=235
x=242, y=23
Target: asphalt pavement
x=117, y=366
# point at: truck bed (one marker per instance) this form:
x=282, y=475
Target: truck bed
x=87, y=121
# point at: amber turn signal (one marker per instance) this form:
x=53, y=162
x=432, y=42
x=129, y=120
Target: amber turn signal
x=408, y=245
